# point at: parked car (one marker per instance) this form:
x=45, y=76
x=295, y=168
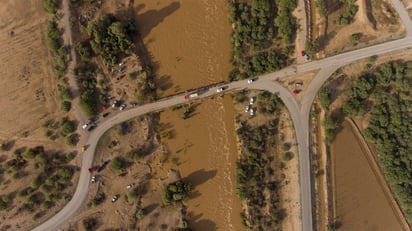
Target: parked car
x=133, y=105
x=296, y=91
x=106, y=114
x=122, y=107
x=115, y=104
x=252, y=112
x=299, y=84
x=247, y=108
x=91, y=127
x=84, y=148
x=251, y=80
x=93, y=169
x=115, y=198
x=220, y=89
x=93, y=179
x=252, y=100
x=307, y=57
x=129, y=186
x=303, y=53
x=85, y=125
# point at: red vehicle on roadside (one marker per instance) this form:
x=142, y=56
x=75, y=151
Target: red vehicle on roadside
x=302, y=53
x=296, y=91
x=93, y=169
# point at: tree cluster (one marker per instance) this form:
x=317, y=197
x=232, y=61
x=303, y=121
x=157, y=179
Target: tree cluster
x=387, y=96
x=175, y=192
x=257, y=24
x=252, y=172
x=110, y=37
x=47, y=186
x=349, y=13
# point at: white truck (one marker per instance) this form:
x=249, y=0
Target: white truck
x=191, y=96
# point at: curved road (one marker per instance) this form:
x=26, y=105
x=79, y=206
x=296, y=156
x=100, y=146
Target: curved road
x=299, y=114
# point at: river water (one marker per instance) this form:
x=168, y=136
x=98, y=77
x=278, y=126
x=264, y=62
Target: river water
x=189, y=46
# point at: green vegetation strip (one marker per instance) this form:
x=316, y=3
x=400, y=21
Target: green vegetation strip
x=386, y=95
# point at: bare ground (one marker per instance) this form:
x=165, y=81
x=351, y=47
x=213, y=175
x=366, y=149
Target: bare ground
x=376, y=21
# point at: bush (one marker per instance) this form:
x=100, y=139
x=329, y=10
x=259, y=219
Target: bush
x=118, y=164
x=354, y=38
x=71, y=140
x=176, y=191
x=132, y=196
x=67, y=127
x=84, y=50
x=141, y=213
x=66, y=106
x=51, y=6
x=36, y=182
x=312, y=47
x=29, y=154
x=88, y=102
x=285, y=147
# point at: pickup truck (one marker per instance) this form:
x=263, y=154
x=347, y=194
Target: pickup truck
x=191, y=96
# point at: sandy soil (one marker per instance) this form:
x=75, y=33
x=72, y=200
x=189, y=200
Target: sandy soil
x=289, y=190
x=29, y=84
x=376, y=25
x=28, y=97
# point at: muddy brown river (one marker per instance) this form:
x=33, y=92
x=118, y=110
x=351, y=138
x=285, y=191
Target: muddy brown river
x=189, y=45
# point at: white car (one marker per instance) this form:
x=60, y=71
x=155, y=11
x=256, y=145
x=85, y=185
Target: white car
x=250, y=80
x=122, y=107
x=252, y=100
x=307, y=57
x=130, y=186
x=85, y=125
x=115, y=104
x=93, y=179
x=252, y=112
x=247, y=108
x=115, y=198
x=220, y=89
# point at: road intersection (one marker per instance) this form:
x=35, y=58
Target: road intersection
x=298, y=112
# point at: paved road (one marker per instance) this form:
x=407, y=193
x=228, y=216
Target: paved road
x=299, y=114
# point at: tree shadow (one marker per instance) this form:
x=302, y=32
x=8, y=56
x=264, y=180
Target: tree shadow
x=325, y=39
x=201, y=176
x=150, y=19
x=205, y=225
x=150, y=208
x=164, y=82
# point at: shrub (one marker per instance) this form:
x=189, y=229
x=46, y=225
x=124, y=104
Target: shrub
x=71, y=140
x=176, y=191
x=29, y=154
x=118, y=164
x=354, y=38
x=84, y=50
x=285, y=147
x=51, y=6
x=66, y=106
x=132, y=196
x=67, y=127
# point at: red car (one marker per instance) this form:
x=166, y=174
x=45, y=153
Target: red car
x=186, y=97
x=296, y=91
x=302, y=53
x=93, y=169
